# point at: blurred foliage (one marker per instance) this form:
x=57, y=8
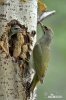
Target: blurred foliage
x=55, y=79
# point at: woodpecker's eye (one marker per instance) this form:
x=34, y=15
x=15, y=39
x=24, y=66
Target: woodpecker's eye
x=46, y=27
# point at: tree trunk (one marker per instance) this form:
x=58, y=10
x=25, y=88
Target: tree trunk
x=13, y=79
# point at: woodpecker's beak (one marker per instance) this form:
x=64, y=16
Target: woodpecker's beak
x=42, y=26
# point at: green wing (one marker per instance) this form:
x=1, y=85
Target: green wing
x=41, y=56
x=38, y=60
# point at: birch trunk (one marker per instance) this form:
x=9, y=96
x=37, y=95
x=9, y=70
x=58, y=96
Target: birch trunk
x=13, y=78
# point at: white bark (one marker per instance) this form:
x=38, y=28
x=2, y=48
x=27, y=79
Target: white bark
x=11, y=81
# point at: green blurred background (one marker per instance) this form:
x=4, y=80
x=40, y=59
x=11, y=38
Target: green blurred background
x=55, y=79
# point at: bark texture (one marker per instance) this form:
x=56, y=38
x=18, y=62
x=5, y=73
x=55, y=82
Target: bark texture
x=13, y=79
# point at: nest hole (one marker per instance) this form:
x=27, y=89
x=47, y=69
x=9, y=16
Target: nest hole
x=19, y=40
